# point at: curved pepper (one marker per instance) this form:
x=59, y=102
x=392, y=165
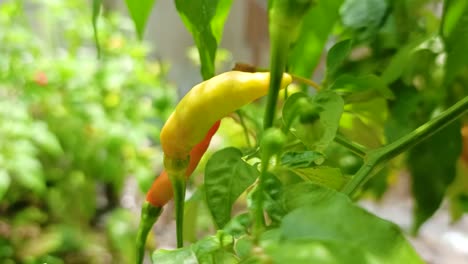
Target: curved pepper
x=208, y=102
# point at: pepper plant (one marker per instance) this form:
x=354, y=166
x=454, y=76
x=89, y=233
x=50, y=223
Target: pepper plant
x=72, y=131
x=395, y=85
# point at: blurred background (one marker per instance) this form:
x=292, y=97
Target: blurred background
x=79, y=135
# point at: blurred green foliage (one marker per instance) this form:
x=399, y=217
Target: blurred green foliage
x=73, y=131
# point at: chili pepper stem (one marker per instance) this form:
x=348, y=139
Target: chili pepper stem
x=149, y=215
x=179, y=186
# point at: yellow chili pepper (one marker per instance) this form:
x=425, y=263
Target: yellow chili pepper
x=208, y=102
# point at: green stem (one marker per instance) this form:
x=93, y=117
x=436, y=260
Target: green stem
x=356, y=148
x=306, y=81
x=406, y=142
x=257, y=209
x=244, y=126
x=279, y=52
x=149, y=215
x=179, y=186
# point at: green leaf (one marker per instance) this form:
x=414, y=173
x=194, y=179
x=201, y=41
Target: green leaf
x=361, y=88
x=210, y=250
x=302, y=159
x=318, y=120
x=455, y=34
x=323, y=175
x=226, y=177
x=363, y=122
x=432, y=164
x=301, y=194
x=402, y=117
x=182, y=255
x=28, y=172
x=96, y=10
x=401, y=60
x=292, y=108
x=363, y=15
x=336, y=55
x=317, y=229
x=46, y=139
x=5, y=181
x=272, y=194
x=238, y=225
x=205, y=20
x=140, y=11
x=316, y=27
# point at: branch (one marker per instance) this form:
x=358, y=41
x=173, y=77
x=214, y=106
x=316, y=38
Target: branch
x=385, y=153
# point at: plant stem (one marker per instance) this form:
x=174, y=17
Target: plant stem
x=305, y=81
x=356, y=148
x=149, y=215
x=278, y=55
x=257, y=209
x=385, y=153
x=179, y=186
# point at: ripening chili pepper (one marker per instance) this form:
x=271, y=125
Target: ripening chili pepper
x=188, y=125
x=161, y=192
x=208, y=102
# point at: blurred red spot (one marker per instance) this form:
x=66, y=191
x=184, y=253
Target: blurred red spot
x=40, y=78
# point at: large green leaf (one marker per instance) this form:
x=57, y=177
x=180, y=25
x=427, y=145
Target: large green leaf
x=205, y=20
x=315, y=31
x=324, y=226
x=455, y=33
x=140, y=11
x=432, y=164
x=226, y=177
x=314, y=120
